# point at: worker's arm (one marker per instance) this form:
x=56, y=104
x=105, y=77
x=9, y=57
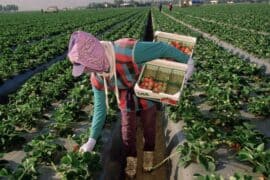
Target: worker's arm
x=147, y=51
x=97, y=121
x=99, y=115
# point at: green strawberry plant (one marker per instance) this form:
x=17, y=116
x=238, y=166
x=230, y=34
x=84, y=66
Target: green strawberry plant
x=258, y=156
x=44, y=149
x=70, y=111
x=9, y=136
x=197, y=152
x=246, y=135
x=80, y=139
x=227, y=85
x=259, y=105
x=63, y=117
x=76, y=165
x=26, y=170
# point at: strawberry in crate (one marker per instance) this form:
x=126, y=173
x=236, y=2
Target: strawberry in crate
x=185, y=49
x=159, y=87
x=150, y=84
x=147, y=83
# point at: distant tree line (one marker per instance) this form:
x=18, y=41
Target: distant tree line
x=239, y=1
x=8, y=7
x=117, y=3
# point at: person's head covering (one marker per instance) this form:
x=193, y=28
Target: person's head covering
x=85, y=51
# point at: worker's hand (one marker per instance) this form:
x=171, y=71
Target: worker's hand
x=190, y=69
x=88, y=146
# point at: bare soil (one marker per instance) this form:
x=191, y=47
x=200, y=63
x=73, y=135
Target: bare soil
x=159, y=153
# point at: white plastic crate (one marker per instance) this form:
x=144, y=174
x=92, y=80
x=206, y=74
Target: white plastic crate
x=169, y=73
x=174, y=39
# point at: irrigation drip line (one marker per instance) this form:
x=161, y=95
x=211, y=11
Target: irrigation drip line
x=15, y=82
x=163, y=161
x=227, y=46
x=12, y=84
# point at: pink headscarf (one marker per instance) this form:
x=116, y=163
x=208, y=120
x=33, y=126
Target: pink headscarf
x=85, y=51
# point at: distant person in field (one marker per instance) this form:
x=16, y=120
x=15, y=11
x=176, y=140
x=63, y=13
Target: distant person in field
x=170, y=6
x=116, y=66
x=160, y=7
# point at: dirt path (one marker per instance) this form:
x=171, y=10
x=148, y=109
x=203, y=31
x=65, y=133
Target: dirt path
x=159, y=154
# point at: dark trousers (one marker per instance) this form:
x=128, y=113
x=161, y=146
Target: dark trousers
x=129, y=127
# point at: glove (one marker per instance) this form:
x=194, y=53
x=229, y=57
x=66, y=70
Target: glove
x=190, y=69
x=88, y=146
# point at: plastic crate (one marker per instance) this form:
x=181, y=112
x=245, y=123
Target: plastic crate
x=169, y=78
x=184, y=43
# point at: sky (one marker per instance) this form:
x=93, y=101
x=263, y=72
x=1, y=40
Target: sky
x=27, y=5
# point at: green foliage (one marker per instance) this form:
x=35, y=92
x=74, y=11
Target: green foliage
x=258, y=156
x=44, y=149
x=8, y=136
x=260, y=105
x=26, y=170
x=197, y=152
x=222, y=87
x=79, y=165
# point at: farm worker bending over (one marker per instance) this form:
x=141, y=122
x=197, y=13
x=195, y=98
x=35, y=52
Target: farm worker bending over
x=170, y=6
x=160, y=6
x=116, y=66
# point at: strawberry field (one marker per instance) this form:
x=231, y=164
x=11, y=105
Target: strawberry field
x=245, y=26
x=225, y=105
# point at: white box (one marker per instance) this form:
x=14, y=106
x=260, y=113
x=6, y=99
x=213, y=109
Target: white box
x=161, y=70
x=186, y=41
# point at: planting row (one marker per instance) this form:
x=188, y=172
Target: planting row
x=256, y=44
x=13, y=41
x=22, y=28
x=37, y=93
x=29, y=56
x=248, y=16
x=221, y=92
x=70, y=98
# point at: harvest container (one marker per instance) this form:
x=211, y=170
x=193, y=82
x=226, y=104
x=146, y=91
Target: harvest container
x=184, y=43
x=163, y=80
